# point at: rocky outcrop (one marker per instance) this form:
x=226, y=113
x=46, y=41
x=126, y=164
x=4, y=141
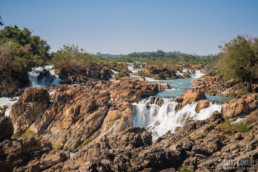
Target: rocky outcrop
x=77, y=115
x=45, y=77
x=199, y=145
x=78, y=76
x=12, y=84
x=213, y=84
x=192, y=96
x=160, y=72
x=29, y=155
x=30, y=107
x=6, y=127
x=123, y=73
x=240, y=106
x=126, y=151
x=201, y=105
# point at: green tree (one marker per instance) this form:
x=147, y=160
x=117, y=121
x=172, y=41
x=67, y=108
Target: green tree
x=20, y=50
x=238, y=60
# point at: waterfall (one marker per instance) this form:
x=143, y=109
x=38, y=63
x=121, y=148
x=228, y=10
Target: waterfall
x=113, y=75
x=8, y=102
x=197, y=74
x=34, y=73
x=130, y=67
x=161, y=119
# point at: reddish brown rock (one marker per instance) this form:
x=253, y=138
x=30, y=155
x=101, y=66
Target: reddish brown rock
x=78, y=74
x=30, y=107
x=6, y=127
x=161, y=72
x=240, y=106
x=12, y=85
x=77, y=115
x=29, y=155
x=201, y=105
x=192, y=96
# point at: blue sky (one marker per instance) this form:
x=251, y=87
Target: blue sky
x=124, y=26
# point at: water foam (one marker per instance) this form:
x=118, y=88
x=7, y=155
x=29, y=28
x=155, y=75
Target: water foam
x=161, y=119
x=34, y=73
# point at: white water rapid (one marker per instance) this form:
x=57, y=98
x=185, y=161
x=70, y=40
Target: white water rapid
x=8, y=102
x=34, y=73
x=161, y=119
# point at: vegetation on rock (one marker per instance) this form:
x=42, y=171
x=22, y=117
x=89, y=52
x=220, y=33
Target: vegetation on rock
x=239, y=60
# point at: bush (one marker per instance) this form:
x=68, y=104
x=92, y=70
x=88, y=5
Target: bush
x=242, y=127
x=121, y=75
x=20, y=51
x=226, y=126
x=184, y=169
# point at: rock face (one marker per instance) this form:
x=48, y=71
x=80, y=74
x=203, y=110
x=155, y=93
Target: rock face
x=76, y=115
x=29, y=155
x=199, y=146
x=192, y=96
x=45, y=77
x=12, y=85
x=94, y=71
x=201, y=105
x=240, y=106
x=160, y=72
x=212, y=84
x=30, y=107
x=6, y=127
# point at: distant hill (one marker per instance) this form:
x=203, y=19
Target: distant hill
x=162, y=54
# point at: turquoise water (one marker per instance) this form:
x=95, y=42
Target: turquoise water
x=177, y=86
x=219, y=99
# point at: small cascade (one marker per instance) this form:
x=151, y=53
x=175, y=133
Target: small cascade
x=8, y=102
x=161, y=119
x=35, y=73
x=130, y=67
x=113, y=75
x=197, y=74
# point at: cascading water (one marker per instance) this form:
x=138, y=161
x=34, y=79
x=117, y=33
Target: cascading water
x=33, y=77
x=197, y=74
x=161, y=119
x=7, y=102
x=113, y=76
x=34, y=73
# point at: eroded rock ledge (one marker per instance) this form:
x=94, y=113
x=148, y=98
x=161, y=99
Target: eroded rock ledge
x=76, y=115
x=213, y=84
x=199, y=145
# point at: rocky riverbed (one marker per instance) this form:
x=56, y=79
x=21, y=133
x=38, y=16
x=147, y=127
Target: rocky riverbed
x=125, y=125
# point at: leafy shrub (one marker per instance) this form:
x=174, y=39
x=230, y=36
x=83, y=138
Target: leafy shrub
x=20, y=51
x=120, y=75
x=242, y=127
x=184, y=169
x=226, y=126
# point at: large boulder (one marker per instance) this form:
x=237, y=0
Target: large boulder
x=45, y=77
x=161, y=72
x=12, y=84
x=201, y=105
x=30, y=107
x=6, y=127
x=78, y=114
x=240, y=106
x=193, y=96
x=79, y=75
x=29, y=155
